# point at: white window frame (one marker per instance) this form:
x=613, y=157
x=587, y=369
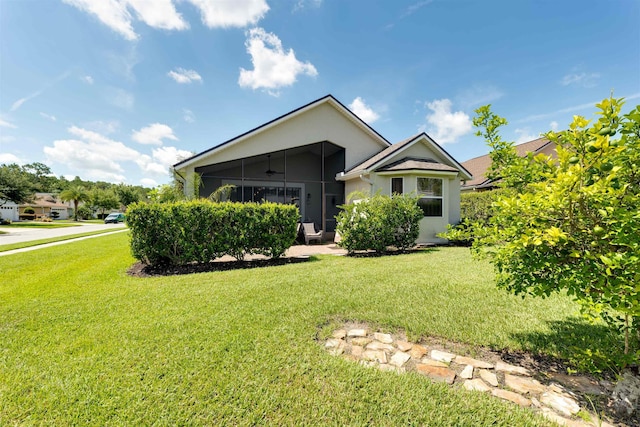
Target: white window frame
x=429, y=197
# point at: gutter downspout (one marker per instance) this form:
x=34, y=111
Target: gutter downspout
x=367, y=180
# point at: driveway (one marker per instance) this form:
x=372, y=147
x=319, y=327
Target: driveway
x=24, y=234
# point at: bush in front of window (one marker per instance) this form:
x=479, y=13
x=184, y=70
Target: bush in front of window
x=199, y=231
x=379, y=222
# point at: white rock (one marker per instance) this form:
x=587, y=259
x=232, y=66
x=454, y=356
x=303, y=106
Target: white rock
x=442, y=356
x=467, y=372
x=476, y=385
x=501, y=366
x=399, y=359
x=357, y=333
x=489, y=377
x=384, y=338
x=377, y=345
x=560, y=403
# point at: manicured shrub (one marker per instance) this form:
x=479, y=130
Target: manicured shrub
x=29, y=210
x=200, y=231
x=379, y=222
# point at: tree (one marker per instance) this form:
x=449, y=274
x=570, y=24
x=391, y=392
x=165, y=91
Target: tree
x=126, y=194
x=76, y=194
x=573, y=226
x=103, y=200
x=15, y=185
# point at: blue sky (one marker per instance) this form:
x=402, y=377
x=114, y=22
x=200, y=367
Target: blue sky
x=118, y=90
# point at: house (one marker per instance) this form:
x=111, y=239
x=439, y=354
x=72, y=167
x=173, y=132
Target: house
x=316, y=155
x=46, y=205
x=478, y=166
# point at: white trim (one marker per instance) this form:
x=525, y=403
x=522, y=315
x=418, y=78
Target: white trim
x=419, y=172
x=422, y=136
x=444, y=213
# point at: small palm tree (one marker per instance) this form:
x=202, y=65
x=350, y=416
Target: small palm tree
x=76, y=194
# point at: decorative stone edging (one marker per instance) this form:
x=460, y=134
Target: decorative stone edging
x=556, y=401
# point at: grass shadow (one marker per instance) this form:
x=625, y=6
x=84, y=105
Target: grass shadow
x=585, y=346
x=140, y=269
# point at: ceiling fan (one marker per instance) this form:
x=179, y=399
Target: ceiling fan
x=269, y=171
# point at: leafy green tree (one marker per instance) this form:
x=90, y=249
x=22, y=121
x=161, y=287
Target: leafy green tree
x=15, y=185
x=127, y=194
x=76, y=194
x=103, y=200
x=42, y=178
x=574, y=227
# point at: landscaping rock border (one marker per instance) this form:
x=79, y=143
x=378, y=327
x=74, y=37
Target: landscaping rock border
x=555, y=395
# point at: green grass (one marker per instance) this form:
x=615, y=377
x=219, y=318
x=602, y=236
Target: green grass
x=20, y=245
x=83, y=343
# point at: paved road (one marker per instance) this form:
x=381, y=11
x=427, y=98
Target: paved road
x=23, y=234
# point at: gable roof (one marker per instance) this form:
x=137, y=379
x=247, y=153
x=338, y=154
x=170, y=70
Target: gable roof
x=328, y=99
x=416, y=163
x=479, y=166
x=371, y=163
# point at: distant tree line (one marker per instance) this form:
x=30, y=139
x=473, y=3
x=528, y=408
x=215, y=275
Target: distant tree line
x=19, y=184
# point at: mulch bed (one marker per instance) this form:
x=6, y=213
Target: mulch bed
x=140, y=269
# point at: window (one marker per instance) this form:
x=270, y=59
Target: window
x=396, y=185
x=430, y=193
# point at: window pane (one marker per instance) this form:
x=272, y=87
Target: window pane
x=396, y=186
x=430, y=186
x=430, y=207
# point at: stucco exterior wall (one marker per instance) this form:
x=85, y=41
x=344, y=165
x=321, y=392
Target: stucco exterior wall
x=322, y=123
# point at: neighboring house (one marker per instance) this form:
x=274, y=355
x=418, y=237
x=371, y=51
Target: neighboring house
x=479, y=166
x=316, y=155
x=9, y=210
x=45, y=204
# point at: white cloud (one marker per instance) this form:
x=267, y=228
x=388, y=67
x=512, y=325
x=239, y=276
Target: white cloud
x=188, y=116
x=112, y=13
x=21, y=101
x=148, y=182
x=525, y=135
x=446, y=126
x=273, y=68
x=237, y=13
x=87, y=79
x=7, y=138
x=8, y=158
x=582, y=79
x=181, y=75
x=303, y=4
x=48, y=117
x=159, y=14
x=115, y=14
x=479, y=95
x=120, y=98
x=7, y=124
x=362, y=110
x=102, y=126
x=161, y=160
x=153, y=134
x=123, y=62
x=554, y=126
x=95, y=155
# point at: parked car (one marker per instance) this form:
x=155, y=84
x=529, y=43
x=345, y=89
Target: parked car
x=114, y=218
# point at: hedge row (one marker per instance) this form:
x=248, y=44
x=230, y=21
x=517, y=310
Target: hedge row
x=379, y=222
x=200, y=231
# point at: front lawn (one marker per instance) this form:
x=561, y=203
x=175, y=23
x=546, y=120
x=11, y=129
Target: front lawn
x=83, y=343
